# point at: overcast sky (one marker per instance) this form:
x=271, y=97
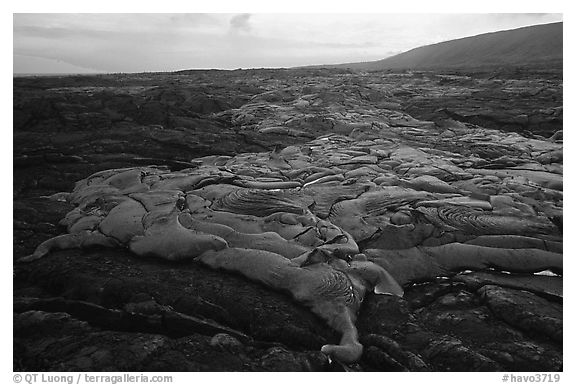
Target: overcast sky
x=82, y=43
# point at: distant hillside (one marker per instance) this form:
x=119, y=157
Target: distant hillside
x=539, y=43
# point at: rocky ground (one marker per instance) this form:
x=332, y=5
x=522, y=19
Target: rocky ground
x=480, y=140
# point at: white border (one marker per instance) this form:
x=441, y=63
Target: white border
x=298, y=6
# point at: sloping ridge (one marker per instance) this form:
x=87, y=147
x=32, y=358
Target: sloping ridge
x=539, y=43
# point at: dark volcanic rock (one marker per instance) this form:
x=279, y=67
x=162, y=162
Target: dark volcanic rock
x=525, y=310
x=72, y=345
x=426, y=167
x=107, y=279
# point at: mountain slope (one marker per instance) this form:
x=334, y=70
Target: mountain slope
x=539, y=43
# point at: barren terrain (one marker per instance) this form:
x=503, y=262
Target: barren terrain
x=486, y=140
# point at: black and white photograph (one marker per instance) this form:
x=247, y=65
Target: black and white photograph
x=363, y=191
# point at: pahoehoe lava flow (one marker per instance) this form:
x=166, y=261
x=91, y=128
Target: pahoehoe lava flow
x=289, y=219
x=159, y=213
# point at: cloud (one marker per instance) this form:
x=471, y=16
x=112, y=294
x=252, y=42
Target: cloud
x=31, y=64
x=166, y=42
x=192, y=19
x=241, y=23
